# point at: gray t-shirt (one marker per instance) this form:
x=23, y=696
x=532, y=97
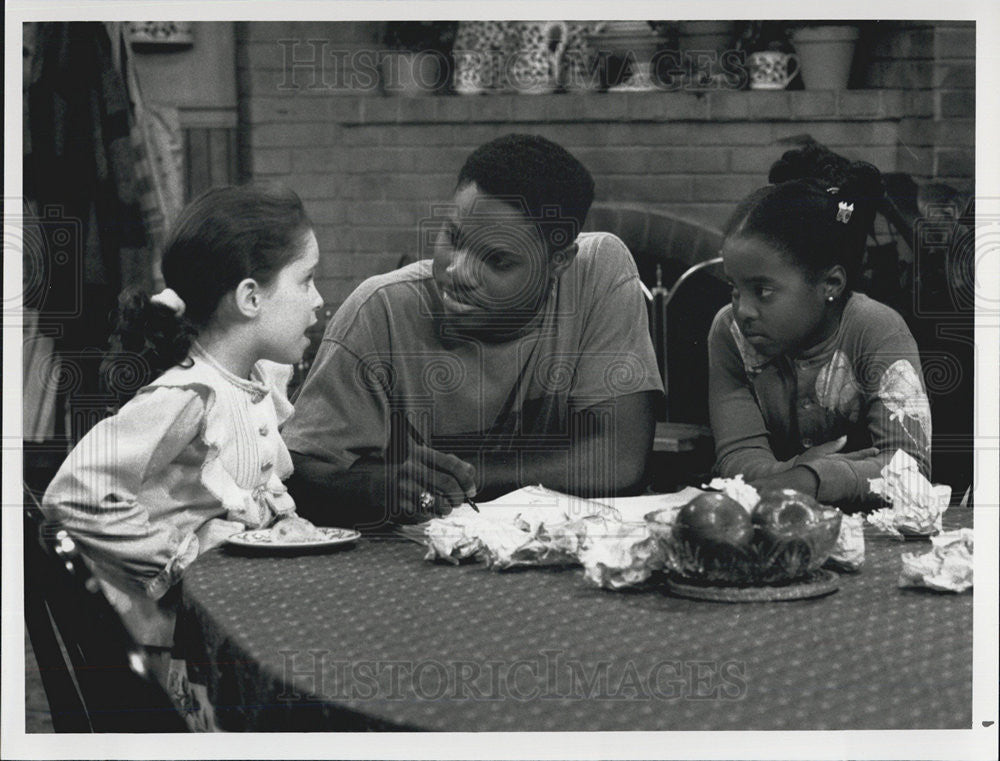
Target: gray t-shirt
x=384, y=354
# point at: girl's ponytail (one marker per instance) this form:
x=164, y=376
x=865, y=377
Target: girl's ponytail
x=150, y=336
x=858, y=197
x=225, y=235
x=863, y=182
x=820, y=209
x=810, y=162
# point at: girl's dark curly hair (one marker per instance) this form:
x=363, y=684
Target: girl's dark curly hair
x=800, y=213
x=224, y=236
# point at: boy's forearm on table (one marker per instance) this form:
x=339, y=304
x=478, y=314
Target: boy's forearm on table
x=607, y=454
x=329, y=495
x=502, y=472
x=587, y=469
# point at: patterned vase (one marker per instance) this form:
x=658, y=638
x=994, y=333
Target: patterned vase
x=580, y=71
x=533, y=54
x=478, y=54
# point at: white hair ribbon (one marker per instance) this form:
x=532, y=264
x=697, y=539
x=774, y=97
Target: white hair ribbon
x=844, y=212
x=168, y=297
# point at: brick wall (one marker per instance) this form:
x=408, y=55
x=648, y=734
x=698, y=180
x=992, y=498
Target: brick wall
x=368, y=166
x=955, y=103
x=936, y=64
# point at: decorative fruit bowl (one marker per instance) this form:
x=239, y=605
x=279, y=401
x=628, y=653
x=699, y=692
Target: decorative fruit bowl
x=715, y=540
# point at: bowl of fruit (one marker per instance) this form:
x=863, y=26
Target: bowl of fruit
x=713, y=539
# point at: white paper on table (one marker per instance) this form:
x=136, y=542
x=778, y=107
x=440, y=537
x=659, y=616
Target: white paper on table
x=533, y=525
x=634, y=509
x=917, y=504
x=506, y=530
x=947, y=567
x=534, y=505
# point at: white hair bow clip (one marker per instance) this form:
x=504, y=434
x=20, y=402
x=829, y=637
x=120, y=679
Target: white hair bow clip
x=168, y=297
x=844, y=211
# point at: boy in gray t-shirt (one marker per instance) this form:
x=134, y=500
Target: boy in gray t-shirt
x=518, y=354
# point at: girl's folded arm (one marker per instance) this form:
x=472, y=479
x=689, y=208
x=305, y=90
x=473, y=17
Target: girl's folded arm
x=95, y=493
x=741, y=438
x=898, y=416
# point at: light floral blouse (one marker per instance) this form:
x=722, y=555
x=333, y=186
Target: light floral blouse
x=194, y=457
x=864, y=382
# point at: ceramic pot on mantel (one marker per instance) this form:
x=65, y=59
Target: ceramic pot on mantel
x=479, y=56
x=579, y=70
x=771, y=69
x=632, y=40
x=534, y=52
x=702, y=44
x=825, y=54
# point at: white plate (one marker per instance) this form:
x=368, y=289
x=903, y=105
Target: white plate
x=263, y=539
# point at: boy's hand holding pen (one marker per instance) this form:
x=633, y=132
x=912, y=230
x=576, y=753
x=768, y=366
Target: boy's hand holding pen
x=436, y=482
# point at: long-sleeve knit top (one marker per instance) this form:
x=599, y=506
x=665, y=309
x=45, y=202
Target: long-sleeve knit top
x=864, y=382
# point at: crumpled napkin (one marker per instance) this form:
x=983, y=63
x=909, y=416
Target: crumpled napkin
x=946, y=568
x=917, y=504
x=501, y=543
x=737, y=489
x=848, y=554
x=451, y=539
x=505, y=546
x=620, y=555
x=526, y=535
x=614, y=553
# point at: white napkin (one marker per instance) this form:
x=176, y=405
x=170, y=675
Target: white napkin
x=737, y=489
x=622, y=556
x=917, y=504
x=848, y=554
x=946, y=568
x=530, y=526
x=535, y=526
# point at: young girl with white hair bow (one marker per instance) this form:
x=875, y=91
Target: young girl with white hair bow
x=194, y=456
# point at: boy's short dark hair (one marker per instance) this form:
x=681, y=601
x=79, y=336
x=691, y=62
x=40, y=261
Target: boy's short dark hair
x=535, y=171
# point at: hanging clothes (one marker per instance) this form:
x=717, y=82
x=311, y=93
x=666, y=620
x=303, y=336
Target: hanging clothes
x=79, y=171
x=80, y=154
x=159, y=147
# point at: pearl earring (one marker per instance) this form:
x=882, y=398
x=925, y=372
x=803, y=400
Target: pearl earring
x=829, y=298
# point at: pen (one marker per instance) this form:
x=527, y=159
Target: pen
x=419, y=440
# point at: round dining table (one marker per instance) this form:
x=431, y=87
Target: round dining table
x=374, y=636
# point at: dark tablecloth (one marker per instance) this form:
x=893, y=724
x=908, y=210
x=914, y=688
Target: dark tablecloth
x=376, y=637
